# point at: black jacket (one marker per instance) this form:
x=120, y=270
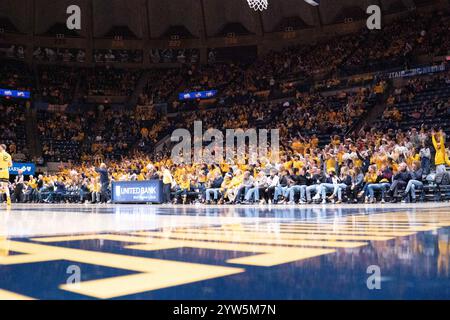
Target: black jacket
x=404, y=176
x=417, y=175
x=217, y=183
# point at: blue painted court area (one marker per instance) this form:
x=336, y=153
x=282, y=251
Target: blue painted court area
x=237, y=253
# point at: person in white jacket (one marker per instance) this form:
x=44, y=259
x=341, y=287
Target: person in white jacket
x=273, y=182
x=259, y=185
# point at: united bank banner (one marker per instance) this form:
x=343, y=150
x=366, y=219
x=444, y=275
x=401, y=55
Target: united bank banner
x=27, y=168
x=137, y=191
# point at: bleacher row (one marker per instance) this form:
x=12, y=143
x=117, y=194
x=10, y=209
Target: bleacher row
x=432, y=105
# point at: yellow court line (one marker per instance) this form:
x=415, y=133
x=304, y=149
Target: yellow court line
x=349, y=222
x=296, y=236
x=294, y=243
x=366, y=224
x=139, y=264
x=302, y=243
x=154, y=273
x=363, y=224
x=150, y=237
x=417, y=219
x=93, y=236
x=400, y=213
x=327, y=231
x=269, y=255
x=355, y=228
x=8, y=295
x=25, y=258
x=442, y=213
x=410, y=216
x=386, y=224
x=331, y=226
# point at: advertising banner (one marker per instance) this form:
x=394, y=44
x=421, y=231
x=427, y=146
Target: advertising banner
x=27, y=168
x=416, y=71
x=15, y=93
x=137, y=191
x=197, y=95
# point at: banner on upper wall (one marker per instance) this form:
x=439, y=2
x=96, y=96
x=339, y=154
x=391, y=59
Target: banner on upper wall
x=197, y=95
x=416, y=71
x=15, y=93
x=27, y=168
x=137, y=191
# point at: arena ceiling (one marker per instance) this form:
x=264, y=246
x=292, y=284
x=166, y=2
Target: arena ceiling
x=157, y=19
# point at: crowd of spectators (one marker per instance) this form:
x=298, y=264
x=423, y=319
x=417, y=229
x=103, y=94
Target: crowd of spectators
x=160, y=86
x=392, y=48
x=369, y=167
x=418, y=102
x=15, y=75
x=59, y=54
x=183, y=56
x=98, y=134
x=109, y=81
x=435, y=41
x=12, y=128
x=62, y=134
x=114, y=56
x=57, y=84
x=12, y=52
x=319, y=161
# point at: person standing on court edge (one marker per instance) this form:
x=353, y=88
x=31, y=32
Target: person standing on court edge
x=104, y=181
x=167, y=183
x=19, y=185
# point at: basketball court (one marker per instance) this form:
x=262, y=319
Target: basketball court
x=392, y=251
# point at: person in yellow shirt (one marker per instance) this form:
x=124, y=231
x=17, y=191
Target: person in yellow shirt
x=369, y=178
x=234, y=185
x=167, y=181
x=224, y=187
x=5, y=164
x=31, y=189
x=224, y=166
x=95, y=187
x=439, y=146
x=184, y=186
x=314, y=141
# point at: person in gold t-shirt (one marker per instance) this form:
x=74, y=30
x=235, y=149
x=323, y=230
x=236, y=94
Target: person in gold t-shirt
x=5, y=164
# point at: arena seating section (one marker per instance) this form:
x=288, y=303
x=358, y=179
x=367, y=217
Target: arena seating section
x=303, y=90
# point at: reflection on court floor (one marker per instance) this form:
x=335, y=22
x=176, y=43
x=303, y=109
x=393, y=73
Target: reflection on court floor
x=141, y=252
